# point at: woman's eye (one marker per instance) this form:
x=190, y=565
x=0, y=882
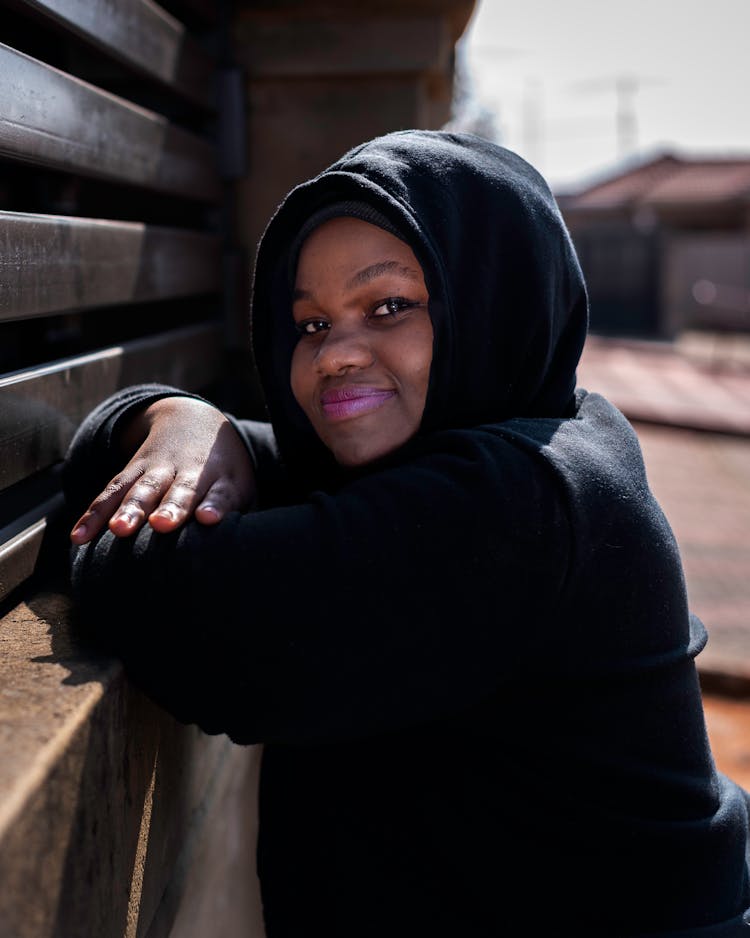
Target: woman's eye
x=392, y=306
x=311, y=326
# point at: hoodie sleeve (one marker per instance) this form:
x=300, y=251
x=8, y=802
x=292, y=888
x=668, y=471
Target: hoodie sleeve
x=403, y=598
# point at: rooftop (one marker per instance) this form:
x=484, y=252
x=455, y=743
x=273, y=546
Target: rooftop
x=701, y=382
x=668, y=179
x=690, y=406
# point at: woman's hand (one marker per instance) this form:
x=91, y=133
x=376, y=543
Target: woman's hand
x=188, y=462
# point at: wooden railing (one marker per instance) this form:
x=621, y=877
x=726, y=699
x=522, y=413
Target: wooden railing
x=114, y=819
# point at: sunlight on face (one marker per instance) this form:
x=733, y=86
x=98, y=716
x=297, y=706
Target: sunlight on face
x=361, y=366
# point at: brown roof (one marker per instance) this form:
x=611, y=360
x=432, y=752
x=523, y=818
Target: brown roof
x=704, y=181
x=672, y=384
x=669, y=180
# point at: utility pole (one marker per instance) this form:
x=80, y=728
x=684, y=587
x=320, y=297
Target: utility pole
x=626, y=119
x=625, y=115
x=533, y=121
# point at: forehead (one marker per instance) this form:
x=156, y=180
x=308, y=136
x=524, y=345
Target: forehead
x=345, y=245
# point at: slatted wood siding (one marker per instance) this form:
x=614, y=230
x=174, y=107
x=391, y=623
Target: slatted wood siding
x=110, y=228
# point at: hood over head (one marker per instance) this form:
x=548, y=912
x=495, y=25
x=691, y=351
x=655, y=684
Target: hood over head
x=507, y=297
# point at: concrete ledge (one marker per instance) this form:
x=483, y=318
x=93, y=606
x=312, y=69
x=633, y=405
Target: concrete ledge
x=114, y=819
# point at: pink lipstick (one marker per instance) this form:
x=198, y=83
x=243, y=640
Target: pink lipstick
x=340, y=403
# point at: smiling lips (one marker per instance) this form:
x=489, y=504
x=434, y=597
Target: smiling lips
x=340, y=403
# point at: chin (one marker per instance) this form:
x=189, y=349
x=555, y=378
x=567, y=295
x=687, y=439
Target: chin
x=352, y=454
x=350, y=459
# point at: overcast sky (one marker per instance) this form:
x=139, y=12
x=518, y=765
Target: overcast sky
x=549, y=70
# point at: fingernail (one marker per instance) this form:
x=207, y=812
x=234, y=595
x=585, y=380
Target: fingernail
x=125, y=516
x=78, y=531
x=165, y=513
x=212, y=508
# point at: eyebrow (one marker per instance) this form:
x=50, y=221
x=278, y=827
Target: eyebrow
x=383, y=267
x=371, y=272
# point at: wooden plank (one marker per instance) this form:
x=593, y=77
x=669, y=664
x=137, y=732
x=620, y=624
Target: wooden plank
x=52, y=119
x=140, y=34
x=52, y=264
x=21, y=543
x=41, y=408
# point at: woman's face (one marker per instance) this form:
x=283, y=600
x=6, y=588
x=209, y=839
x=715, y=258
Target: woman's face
x=361, y=366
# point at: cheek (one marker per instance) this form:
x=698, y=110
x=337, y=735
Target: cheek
x=421, y=361
x=299, y=375
x=423, y=384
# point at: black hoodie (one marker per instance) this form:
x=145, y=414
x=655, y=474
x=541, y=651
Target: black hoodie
x=472, y=661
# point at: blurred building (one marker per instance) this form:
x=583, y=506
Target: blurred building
x=665, y=246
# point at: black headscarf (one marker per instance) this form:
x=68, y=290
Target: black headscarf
x=507, y=297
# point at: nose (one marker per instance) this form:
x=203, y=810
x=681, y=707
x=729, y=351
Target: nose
x=343, y=350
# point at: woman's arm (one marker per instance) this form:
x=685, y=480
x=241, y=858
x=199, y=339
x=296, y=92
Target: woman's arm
x=403, y=598
x=155, y=454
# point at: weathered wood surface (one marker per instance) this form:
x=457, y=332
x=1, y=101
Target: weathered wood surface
x=53, y=264
x=21, y=543
x=52, y=119
x=115, y=820
x=41, y=408
x=141, y=35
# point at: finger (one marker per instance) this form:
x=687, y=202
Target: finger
x=84, y=529
x=139, y=502
x=96, y=516
x=221, y=498
x=177, y=505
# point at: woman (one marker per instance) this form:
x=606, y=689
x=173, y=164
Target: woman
x=457, y=618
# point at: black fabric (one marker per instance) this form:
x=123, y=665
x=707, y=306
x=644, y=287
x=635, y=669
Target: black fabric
x=507, y=297
x=471, y=663
x=349, y=209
